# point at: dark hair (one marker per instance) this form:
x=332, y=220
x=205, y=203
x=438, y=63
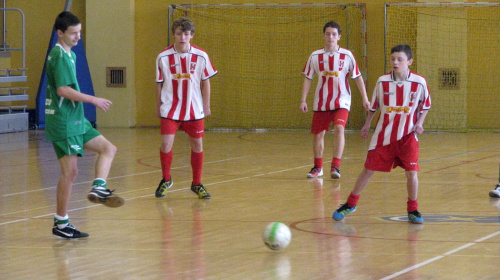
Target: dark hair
x=403, y=48
x=332, y=24
x=184, y=23
x=65, y=20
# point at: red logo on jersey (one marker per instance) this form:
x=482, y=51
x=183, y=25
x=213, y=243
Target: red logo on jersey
x=341, y=64
x=192, y=67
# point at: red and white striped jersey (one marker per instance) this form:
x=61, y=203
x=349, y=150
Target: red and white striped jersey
x=400, y=103
x=181, y=75
x=332, y=91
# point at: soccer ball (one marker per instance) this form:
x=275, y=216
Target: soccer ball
x=276, y=236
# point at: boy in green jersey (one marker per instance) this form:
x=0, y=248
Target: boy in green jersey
x=68, y=129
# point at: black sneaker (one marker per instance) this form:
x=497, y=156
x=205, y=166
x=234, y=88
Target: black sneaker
x=335, y=172
x=69, y=232
x=200, y=191
x=164, y=185
x=104, y=196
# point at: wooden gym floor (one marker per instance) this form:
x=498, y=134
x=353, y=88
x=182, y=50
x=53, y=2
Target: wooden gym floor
x=254, y=178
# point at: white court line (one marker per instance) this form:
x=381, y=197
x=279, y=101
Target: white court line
x=116, y=177
x=143, y=196
x=406, y=270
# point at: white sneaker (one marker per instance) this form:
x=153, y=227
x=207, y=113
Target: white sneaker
x=496, y=191
x=315, y=172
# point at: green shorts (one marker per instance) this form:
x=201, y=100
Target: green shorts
x=74, y=145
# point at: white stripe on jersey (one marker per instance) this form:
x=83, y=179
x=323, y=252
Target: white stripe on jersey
x=400, y=103
x=181, y=75
x=332, y=91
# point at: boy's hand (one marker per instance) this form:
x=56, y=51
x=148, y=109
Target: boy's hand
x=303, y=107
x=418, y=128
x=364, y=130
x=102, y=103
x=366, y=104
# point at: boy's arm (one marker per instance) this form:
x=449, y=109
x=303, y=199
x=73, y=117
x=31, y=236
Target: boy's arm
x=71, y=94
x=205, y=93
x=419, y=125
x=305, y=90
x=361, y=86
x=366, y=127
x=158, y=99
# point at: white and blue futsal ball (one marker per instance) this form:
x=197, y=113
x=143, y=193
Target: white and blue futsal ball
x=276, y=236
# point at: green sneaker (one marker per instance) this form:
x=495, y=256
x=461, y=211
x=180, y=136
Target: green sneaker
x=415, y=217
x=161, y=191
x=200, y=191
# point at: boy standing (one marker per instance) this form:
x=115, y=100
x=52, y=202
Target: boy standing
x=183, y=101
x=332, y=99
x=403, y=99
x=68, y=129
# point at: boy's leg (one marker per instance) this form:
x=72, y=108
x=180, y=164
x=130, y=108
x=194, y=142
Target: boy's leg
x=339, y=119
x=105, y=154
x=338, y=150
x=167, y=143
x=412, y=204
x=196, y=158
x=62, y=228
x=318, y=148
x=197, y=187
x=168, y=129
x=69, y=171
x=412, y=184
x=350, y=205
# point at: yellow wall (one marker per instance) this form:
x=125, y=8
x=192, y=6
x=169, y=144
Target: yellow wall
x=110, y=43
x=131, y=33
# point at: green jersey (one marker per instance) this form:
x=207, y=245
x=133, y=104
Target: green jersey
x=63, y=117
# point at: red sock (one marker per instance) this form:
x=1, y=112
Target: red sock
x=197, y=166
x=336, y=162
x=166, y=164
x=318, y=162
x=411, y=205
x=352, y=200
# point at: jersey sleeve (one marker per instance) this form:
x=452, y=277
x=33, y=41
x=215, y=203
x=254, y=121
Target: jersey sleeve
x=426, y=98
x=159, y=74
x=308, y=70
x=354, y=68
x=209, y=69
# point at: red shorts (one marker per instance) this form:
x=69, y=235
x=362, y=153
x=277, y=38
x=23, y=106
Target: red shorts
x=194, y=129
x=321, y=120
x=402, y=153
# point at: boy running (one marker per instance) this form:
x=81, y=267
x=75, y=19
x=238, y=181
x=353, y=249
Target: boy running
x=183, y=101
x=68, y=129
x=403, y=99
x=332, y=99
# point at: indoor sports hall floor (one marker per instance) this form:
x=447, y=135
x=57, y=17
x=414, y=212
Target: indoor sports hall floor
x=254, y=179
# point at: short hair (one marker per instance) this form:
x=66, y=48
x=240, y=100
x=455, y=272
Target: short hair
x=184, y=23
x=65, y=20
x=332, y=24
x=403, y=48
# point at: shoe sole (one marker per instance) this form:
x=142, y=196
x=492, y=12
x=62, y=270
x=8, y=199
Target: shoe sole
x=309, y=175
x=494, y=194
x=343, y=216
x=112, y=201
x=159, y=194
x=335, y=175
